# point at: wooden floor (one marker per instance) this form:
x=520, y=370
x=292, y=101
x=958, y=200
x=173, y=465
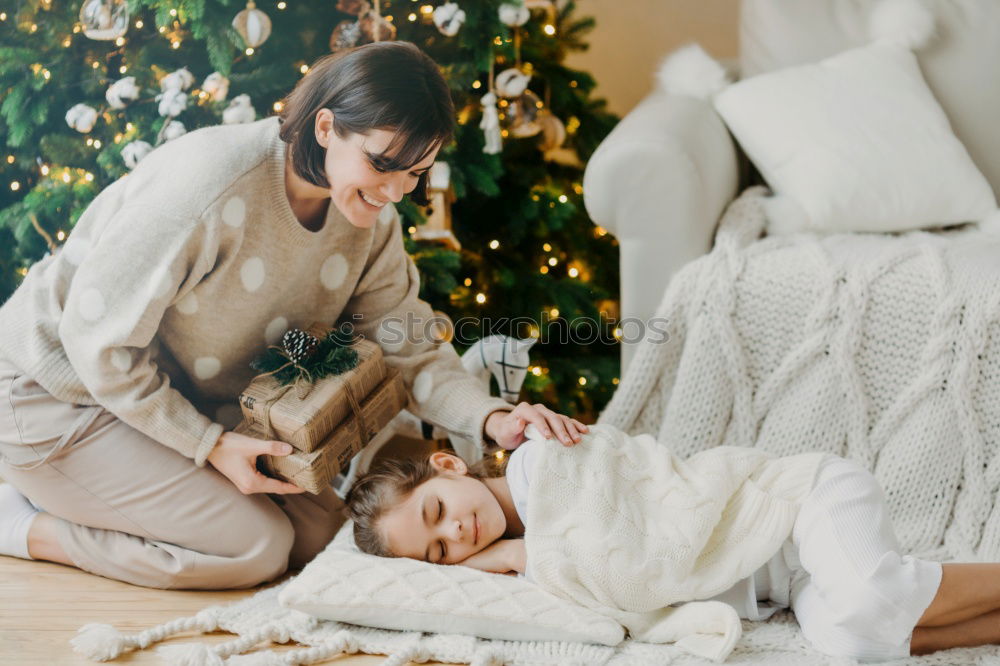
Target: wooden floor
x=43, y=604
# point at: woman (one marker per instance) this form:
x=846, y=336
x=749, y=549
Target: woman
x=121, y=355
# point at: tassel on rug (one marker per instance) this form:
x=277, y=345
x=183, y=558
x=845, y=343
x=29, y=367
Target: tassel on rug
x=102, y=642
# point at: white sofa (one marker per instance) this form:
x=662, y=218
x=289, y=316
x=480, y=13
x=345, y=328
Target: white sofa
x=662, y=178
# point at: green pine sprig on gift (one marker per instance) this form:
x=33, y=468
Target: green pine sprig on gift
x=302, y=356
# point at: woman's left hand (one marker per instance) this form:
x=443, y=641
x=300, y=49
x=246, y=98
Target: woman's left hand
x=507, y=428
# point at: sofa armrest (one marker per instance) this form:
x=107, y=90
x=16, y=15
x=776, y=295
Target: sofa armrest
x=659, y=182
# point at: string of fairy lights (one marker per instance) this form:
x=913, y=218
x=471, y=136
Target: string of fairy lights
x=575, y=270
x=176, y=34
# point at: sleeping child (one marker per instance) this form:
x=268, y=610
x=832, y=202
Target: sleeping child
x=680, y=550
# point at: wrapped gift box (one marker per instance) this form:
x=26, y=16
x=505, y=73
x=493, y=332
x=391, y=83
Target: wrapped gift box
x=306, y=422
x=315, y=470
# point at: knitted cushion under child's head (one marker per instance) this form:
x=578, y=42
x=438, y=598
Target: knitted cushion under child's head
x=346, y=585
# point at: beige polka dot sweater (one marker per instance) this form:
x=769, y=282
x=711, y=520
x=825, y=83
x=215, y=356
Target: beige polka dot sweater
x=179, y=274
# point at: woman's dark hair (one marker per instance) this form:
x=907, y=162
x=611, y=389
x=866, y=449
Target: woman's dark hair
x=390, y=482
x=391, y=86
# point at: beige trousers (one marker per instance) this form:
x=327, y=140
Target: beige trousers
x=134, y=510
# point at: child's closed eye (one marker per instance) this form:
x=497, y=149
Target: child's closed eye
x=440, y=514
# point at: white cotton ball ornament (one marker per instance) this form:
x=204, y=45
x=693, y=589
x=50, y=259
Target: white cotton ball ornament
x=691, y=72
x=179, y=79
x=513, y=15
x=449, y=18
x=172, y=101
x=133, y=152
x=81, y=118
x=511, y=82
x=175, y=129
x=907, y=23
x=240, y=110
x=217, y=86
x=121, y=92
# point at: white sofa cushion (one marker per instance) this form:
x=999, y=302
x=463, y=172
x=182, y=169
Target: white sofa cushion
x=856, y=142
x=959, y=63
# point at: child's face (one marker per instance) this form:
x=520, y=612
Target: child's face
x=445, y=519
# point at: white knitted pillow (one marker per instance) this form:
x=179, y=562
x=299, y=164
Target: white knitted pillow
x=346, y=585
x=858, y=142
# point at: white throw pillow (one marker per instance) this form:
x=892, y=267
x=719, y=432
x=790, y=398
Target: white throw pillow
x=346, y=585
x=856, y=142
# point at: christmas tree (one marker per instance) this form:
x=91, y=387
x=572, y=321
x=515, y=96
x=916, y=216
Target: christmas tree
x=89, y=88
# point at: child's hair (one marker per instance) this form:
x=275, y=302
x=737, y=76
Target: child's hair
x=388, y=483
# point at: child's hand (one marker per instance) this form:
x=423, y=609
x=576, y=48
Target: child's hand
x=501, y=556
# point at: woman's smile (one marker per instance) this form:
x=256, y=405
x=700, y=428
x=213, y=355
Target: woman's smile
x=371, y=201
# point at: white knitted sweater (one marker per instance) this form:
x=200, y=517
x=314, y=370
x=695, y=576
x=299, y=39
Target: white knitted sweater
x=622, y=526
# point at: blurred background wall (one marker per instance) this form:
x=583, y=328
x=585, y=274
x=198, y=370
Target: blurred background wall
x=633, y=36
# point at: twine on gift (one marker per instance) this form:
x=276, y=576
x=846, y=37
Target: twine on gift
x=358, y=414
x=304, y=359
x=280, y=391
x=266, y=410
x=304, y=379
x=301, y=361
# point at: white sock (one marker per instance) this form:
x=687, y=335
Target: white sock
x=16, y=516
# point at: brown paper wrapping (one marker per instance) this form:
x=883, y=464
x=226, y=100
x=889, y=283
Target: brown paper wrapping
x=316, y=469
x=305, y=423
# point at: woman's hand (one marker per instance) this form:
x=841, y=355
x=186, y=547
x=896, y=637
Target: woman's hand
x=235, y=456
x=507, y=428
x=501, y=556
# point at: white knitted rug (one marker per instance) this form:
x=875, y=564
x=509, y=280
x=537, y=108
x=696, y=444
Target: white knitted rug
x=879, y=347
x=259, y=619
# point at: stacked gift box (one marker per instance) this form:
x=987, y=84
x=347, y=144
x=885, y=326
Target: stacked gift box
x=330, y=424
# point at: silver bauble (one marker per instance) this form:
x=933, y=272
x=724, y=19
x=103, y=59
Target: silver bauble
x=253, y=25
x=104, y=19
x=521, y=115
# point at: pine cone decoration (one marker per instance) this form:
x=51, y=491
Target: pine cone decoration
x=298, y=344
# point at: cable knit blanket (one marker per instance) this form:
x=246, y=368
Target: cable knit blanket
x=622, y=526
x=878, y=347
x=883, y=348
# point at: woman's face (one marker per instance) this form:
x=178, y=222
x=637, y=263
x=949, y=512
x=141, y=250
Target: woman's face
x=356, y=188
x=445, y=519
